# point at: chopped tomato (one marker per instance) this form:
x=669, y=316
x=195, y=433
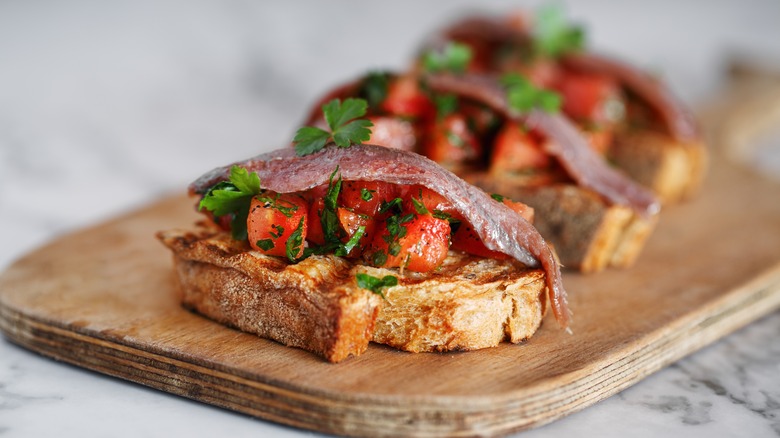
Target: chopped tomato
x=392, y=132
x=429, y=199
x=467, y=240
x=451, y=141
x=272, y=220
x=418, y=243
x=586, y=96
x=315, y=193
x=523, y=210
x=366, y=197
x=406, y=99
x=351, y=223
x=314, y=233
x=516, y=150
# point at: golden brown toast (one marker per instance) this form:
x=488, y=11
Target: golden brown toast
x=469, y=303
x=672, y=170
x=587, y=233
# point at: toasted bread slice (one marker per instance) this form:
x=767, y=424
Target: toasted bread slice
x=672, y=170
x=587, y=233
x=469, y=303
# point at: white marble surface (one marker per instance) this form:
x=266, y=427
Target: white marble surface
x=105, y=107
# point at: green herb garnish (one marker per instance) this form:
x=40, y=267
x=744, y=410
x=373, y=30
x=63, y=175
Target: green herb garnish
x=294, y=242
x=454, y=57
x=331, y=227
x=374, y=88
x=366, y=194
x=419, y=206
x=394, y=204
x=375, y=284
x=523, y=96
x=438, y=214
x=446, y=104
x=279, y=231
x=265, y=244
x=344, y=129
x=233, y=197
x=273, y=203
x=345, y=249
x=497, y=197
x=553, y=35
x=379, y=258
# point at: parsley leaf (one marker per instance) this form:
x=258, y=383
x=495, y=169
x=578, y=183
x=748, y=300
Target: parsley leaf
x=419, y=206
x=497, y=197
x=393, y=205
x=454, y=58
x=523, y=96
x=329, y=219
x=265, y=244
x=233, y=197
x=374, y=88
x=553, y=35
x=366, y=194
x=446, y=104
x=376, y=284
x=309, y=140
x=344, y=130
x=344, y=250
x=294, y=242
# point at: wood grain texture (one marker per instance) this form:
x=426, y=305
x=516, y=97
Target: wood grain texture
x=104, y=299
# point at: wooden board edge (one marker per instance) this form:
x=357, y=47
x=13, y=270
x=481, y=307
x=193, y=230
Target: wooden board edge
x=372, y=416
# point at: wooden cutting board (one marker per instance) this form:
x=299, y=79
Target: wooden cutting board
x=104, y=299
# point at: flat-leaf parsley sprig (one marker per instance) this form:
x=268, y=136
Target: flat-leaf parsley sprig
x=375, y=284
x=453, y=58
x=233, y=197
x=523, y=95
x=554, y=35
x=346, y=128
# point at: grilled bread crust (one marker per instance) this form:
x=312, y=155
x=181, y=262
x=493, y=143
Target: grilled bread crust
x=587, y=233
x=673, y=170
x=316, y=304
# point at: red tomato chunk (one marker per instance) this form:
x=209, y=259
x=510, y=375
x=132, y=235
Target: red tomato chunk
x=388, y=225
x=272, y=219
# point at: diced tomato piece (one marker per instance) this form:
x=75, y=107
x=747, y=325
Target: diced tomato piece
x=585, y=96
x=314, y=233
x=452, y=142
x=406, y=99
x=431, y=200
x=392, y=132
x=599, y=138
x=273, y=218
x=421, y=247
x=366, y=197
x=315, y=193
x=467, y=240
x=351, y=222
x=523, y=210
x=516, y=150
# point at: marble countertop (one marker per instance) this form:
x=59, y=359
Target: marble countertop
x=106, y=107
